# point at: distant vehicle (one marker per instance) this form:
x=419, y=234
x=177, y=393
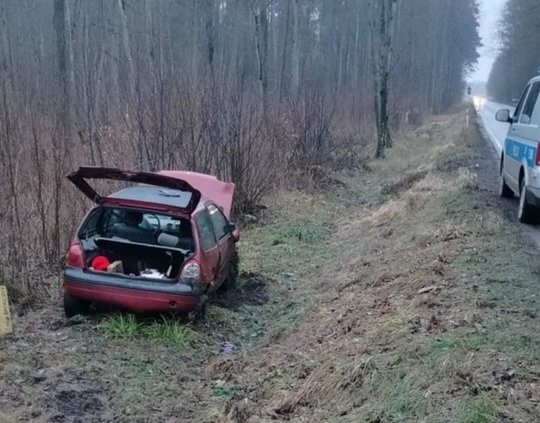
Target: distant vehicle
x=160, y=245
x=520, y=158
x=479, y=102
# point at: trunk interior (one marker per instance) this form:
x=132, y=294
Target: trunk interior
x=133, y=259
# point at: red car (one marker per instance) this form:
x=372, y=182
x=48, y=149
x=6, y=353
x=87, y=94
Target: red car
x=162, y=244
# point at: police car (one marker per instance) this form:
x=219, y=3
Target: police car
x=520, y=158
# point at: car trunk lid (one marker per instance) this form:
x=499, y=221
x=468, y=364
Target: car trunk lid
x=79, y=179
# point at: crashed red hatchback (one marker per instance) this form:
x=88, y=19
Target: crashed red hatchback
x=162, y=244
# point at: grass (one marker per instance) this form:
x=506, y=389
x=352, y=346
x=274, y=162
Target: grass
x=169, y=332
x=166, y=331
x=424, y=223
x=459, y=343
x=345, y=336
x=121, y=326
x=481, y=410
x=4, y=418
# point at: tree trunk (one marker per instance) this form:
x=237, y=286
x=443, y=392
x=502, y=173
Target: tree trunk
x=127, y=48
x=62, y=26
x=295, y=51
x=381, y=31
x=260, y=17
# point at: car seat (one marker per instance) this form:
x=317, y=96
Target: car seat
x=129, y=229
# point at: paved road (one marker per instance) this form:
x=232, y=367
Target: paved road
x=496, y=132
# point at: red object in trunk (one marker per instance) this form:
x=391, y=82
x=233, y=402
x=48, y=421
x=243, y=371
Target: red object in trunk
x=100, y=263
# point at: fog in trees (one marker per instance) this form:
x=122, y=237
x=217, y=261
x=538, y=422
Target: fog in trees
x=517, y=61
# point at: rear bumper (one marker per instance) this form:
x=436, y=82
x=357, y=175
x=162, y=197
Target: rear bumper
x=141, y=296
x=533, y=196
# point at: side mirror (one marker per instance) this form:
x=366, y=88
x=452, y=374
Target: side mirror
x=503, y=115
x=233, y=230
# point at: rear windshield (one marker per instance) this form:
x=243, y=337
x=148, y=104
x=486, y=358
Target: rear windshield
x=133, y=225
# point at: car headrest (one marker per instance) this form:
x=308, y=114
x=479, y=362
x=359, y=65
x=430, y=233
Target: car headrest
x=133, y=217
x=168, y=240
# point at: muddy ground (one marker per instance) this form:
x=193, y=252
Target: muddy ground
x=405, y=293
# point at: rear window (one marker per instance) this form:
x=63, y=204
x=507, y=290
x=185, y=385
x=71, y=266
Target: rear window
x=109, y=222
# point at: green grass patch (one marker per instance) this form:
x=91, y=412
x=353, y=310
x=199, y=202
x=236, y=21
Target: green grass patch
x=399, y=399
x=480, y=410
x=165, y=331
x=227, y=390
x=121, y=326
x=170, y=332
x=304, y=232
x=460, y=343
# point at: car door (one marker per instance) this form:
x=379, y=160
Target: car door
x=209, y=253
x=528, y=132
x=224, y=239
x=512, y=146
x=522, y=137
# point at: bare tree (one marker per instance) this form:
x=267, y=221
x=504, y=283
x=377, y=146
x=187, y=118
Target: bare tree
x=381, y=30
x=257, y=91
x=259, y=10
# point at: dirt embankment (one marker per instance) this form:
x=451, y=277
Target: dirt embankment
x=404, y=294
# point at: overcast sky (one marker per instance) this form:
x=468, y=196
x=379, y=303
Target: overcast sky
x=490, y=13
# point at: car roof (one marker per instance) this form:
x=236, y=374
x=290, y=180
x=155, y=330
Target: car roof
x=156, y=195
x=535, y=79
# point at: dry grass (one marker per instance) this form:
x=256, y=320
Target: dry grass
x=401, y=295
x=374, y=346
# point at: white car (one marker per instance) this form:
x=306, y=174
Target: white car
x=520, y=158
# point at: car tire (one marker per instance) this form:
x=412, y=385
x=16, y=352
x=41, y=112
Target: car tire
x=74, y=306
x=199, y=313
x=504, y=189
x=525, y=210
x=232, y=277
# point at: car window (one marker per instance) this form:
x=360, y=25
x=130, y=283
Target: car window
x=90, y=226
x=219, y=221
x=528, y=108
x=520, y=104
x=107, y=220
x=206, y=231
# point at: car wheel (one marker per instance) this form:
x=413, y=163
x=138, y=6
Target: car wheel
x=504, y=189
x=230, y=282
x=199, y=313
x=525, y=210
x=73, y=306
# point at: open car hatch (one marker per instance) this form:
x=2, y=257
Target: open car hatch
x=189, y=201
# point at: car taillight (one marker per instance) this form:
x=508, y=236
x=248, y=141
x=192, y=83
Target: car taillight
x=538, y=154
x=191, y=273
x=75, y=256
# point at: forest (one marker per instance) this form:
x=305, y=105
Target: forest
x=264, y=93
x=517, y=61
